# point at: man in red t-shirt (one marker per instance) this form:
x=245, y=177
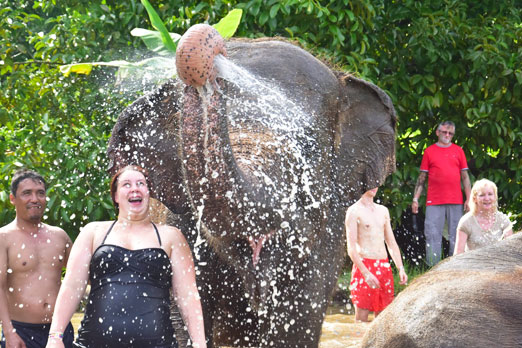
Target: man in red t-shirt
x=445, y=166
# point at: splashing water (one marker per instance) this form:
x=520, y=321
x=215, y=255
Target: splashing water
x=263, y=104
x=258, y=104
x=271, y=106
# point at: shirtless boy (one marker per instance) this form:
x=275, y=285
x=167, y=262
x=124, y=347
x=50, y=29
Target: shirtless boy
x=32, y=255
x=367, y=229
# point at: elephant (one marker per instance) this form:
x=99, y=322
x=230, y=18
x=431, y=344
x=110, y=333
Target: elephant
x=469, y=300
x=258, y=179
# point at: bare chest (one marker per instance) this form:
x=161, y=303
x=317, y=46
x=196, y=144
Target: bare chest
x=35, y=254
x=370, y=223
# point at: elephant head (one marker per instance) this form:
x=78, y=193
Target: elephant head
x=264, y=163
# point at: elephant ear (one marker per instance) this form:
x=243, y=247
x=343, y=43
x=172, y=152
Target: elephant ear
x=147, y=134
x=365, y=143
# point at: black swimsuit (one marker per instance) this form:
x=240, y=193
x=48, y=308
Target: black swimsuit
x=129, y=301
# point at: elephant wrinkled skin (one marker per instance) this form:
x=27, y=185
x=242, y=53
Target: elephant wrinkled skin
x=469, y=300
x=269, y=206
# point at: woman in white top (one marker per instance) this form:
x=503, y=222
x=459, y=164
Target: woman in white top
x=483, y=224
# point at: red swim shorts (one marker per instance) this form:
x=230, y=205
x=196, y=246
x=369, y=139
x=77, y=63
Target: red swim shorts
x=362, y=295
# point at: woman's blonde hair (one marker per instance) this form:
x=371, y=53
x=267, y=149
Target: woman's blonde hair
x=476, y=189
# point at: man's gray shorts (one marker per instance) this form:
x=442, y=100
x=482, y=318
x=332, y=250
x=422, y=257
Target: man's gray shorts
x=436, y=217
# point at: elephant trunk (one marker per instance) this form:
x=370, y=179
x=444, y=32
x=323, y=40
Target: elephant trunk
x=228, y=199
x=195, y=55
x=208, y=167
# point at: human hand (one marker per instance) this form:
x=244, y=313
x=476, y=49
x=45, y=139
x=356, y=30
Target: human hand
x=54, y=342
x=372, y=280
x=197, y=345
x=415, y=207
x=466, y=205
x=13, y=341
x=403, y=276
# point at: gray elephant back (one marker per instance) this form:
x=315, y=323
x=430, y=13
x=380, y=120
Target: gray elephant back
x=469, y=300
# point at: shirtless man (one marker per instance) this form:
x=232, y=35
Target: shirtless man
x=32, y=255
x=367, y=229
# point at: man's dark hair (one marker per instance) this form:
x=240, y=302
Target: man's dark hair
x=23, y=174
x=446, y=123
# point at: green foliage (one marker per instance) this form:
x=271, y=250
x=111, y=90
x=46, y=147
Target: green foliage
x=438, y=59
x=157, y=23
x=160, y=42
x=58, y=126
x=462, y=61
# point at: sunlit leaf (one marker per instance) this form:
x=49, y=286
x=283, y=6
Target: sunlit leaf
x=153, y=40
x=86, y=68
x=228, y=25
x=79, y=68
x=157, y=23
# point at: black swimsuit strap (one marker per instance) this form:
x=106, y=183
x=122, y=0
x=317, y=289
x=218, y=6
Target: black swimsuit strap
x=157, y=232
x=110, y=229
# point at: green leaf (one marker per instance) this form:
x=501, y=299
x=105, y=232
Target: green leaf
x=518, y=75
x=153, y=39
x=273, y=10
x=228, y=25
x=79, y=68
x=437, y=99
x=157, y=23
x=4, y=197
x=125, y=68
x=263, y=18
x=86, y=68
x=416, y=79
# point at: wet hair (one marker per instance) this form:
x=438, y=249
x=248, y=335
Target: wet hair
x=23, y=174
x=446, y=123
x=477, y=188
x=114, y=180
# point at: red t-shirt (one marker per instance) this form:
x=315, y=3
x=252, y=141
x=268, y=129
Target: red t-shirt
x=443, y=165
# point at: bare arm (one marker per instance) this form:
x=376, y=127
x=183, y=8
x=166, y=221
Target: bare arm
x=12, y=338
x=393, y=248
x=185, y=290
x=74, y=283
x=466, y=182
x=68, y=247
x=460, y=242
x=417, y=192
x=508, y=231
x=350, y=223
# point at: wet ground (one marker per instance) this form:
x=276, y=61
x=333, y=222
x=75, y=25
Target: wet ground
x=341, y=330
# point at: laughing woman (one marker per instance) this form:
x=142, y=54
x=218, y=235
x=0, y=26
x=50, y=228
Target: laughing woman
x=483, y=224
x=132, y=266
